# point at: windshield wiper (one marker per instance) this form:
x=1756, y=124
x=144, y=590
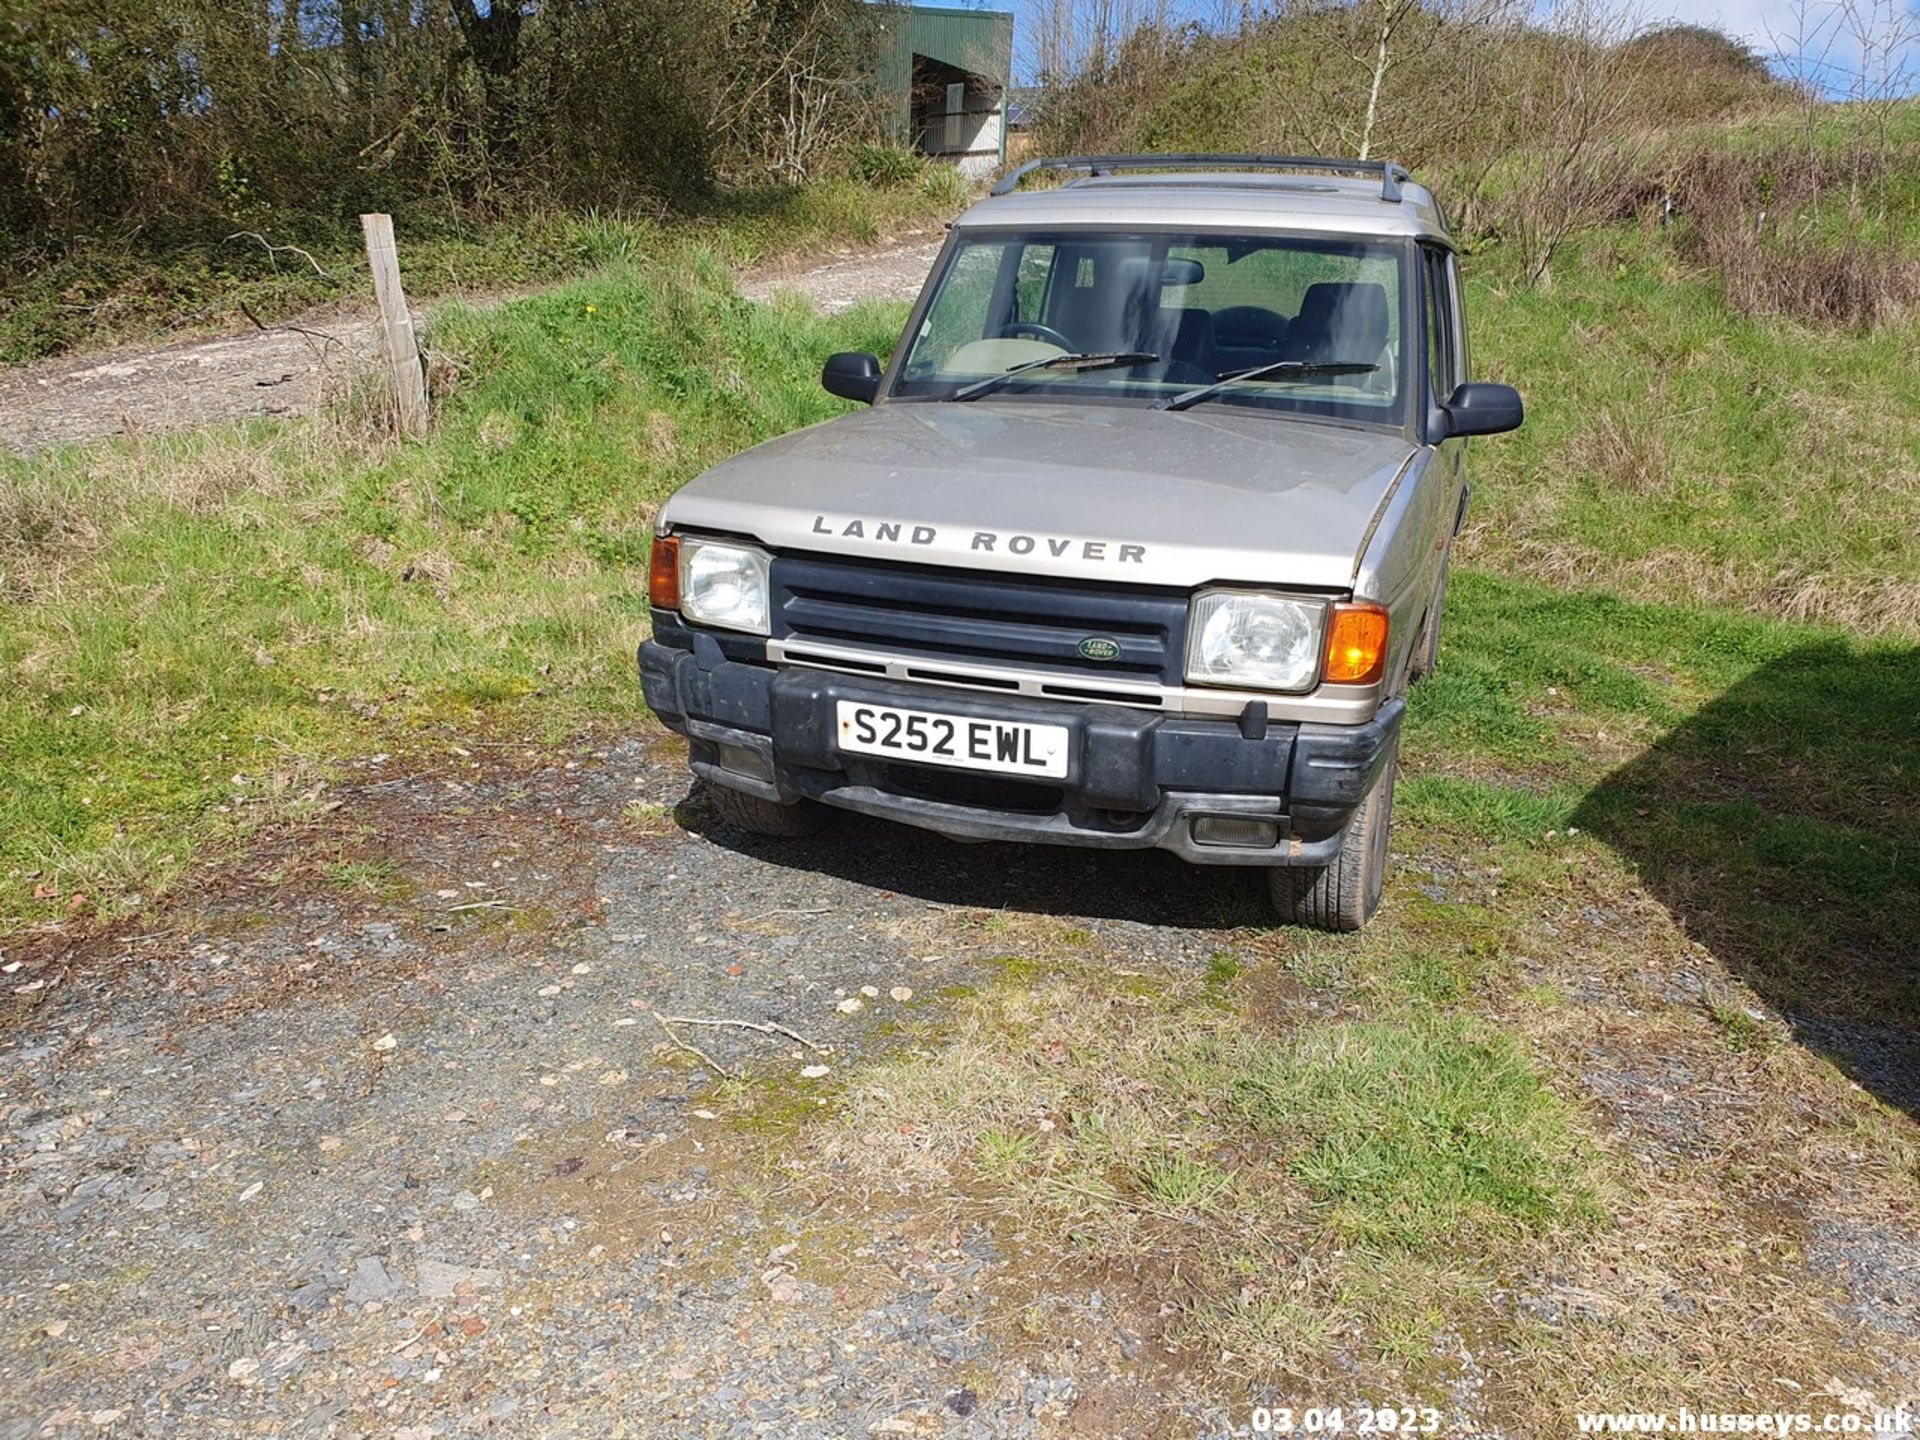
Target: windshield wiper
x=1278, y=370
x=1090, y=361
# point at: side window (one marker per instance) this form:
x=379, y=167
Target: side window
x=1443, y=370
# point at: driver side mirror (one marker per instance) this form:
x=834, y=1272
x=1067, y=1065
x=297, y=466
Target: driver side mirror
x=1480, y=407
x=852, y=375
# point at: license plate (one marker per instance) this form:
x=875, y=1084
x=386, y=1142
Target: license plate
x=1008, y=747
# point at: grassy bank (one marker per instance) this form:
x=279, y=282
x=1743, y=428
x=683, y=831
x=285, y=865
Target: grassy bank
x=1675, y=449
x=198, y=628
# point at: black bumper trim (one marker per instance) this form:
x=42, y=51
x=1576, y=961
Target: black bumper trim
x=1135, y=778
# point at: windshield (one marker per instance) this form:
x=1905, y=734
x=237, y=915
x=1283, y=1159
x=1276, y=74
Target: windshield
x=1166, y=314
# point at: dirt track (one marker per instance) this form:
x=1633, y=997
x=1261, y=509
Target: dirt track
x=286, y=370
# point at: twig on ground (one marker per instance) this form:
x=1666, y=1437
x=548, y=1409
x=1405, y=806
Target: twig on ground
x=765, y=1027
x=479, y=905
x=265, y=328
x=417, y=1335
x=692, y=1049
x=820, y=910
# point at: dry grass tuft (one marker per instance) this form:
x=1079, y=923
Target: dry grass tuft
x=1624, y=454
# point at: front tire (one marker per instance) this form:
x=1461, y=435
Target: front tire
x=764, y=817
x=1342, y=896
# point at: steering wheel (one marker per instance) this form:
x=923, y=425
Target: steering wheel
x=1033, y=330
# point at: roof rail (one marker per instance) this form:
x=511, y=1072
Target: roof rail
x=1390, y=174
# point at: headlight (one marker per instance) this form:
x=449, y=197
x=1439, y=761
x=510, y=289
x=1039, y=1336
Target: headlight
x=1269, y=642
x=723, y=584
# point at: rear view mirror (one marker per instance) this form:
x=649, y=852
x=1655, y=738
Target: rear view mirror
x=1179, y=271
x=852, y=375
x=1483, y=408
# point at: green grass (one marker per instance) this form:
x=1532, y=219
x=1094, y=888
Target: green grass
x=1418, y=1135
x=198, y=629
x=1675, y=450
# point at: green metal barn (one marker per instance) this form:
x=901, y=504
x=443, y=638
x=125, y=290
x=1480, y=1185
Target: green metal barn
x=946, y=70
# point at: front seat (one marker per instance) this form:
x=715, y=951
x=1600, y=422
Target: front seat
x=1184, y=341
x=1340, y=322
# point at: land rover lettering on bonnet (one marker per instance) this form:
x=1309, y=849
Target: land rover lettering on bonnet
x=1169, y=460
x=898, y=532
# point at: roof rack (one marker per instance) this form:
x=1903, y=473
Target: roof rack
x=1390, y=174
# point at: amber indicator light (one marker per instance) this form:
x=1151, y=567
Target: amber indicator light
x=1356, y=644
x=663, y=574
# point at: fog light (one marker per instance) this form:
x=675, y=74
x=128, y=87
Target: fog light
x=743, y=761
x=1241, y=830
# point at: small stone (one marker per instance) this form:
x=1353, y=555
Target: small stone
x=103, y=1418
x=466, y=1200
x=583, y=968
x=962, y=1401
x=438, y=1280
x=252, y=1190
x=871, y=992
x=243, y=1370
x=614, y=1077
x=814, y=1072
x=310, y=1296
x=849, y=1005
x=370, y=1281
x=385, y=1043
x=902, y=993
x=54, y=1329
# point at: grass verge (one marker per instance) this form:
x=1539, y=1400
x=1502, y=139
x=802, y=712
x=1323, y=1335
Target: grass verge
x=196, y=628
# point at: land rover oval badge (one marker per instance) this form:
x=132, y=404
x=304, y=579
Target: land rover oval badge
x=1098, y=647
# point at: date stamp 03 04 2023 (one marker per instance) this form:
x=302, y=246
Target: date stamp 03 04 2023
x=1346, y=1420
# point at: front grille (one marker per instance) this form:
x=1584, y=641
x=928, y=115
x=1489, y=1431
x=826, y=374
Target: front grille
x=964, y=615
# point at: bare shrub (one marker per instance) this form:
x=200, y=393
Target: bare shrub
x=1571, y=108
x=1757, y=221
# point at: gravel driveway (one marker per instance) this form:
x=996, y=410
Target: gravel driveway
x=319, y=1161
x=891, y=273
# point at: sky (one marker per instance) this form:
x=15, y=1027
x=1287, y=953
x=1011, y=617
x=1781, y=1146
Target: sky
x=1769, y=26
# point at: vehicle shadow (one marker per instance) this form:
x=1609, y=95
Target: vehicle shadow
x=1146, y=886
x=1781, y=825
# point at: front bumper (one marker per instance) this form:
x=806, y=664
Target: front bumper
x=1135, y=779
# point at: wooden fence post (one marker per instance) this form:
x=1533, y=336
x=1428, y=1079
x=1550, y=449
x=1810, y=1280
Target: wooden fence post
x=396, y=325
